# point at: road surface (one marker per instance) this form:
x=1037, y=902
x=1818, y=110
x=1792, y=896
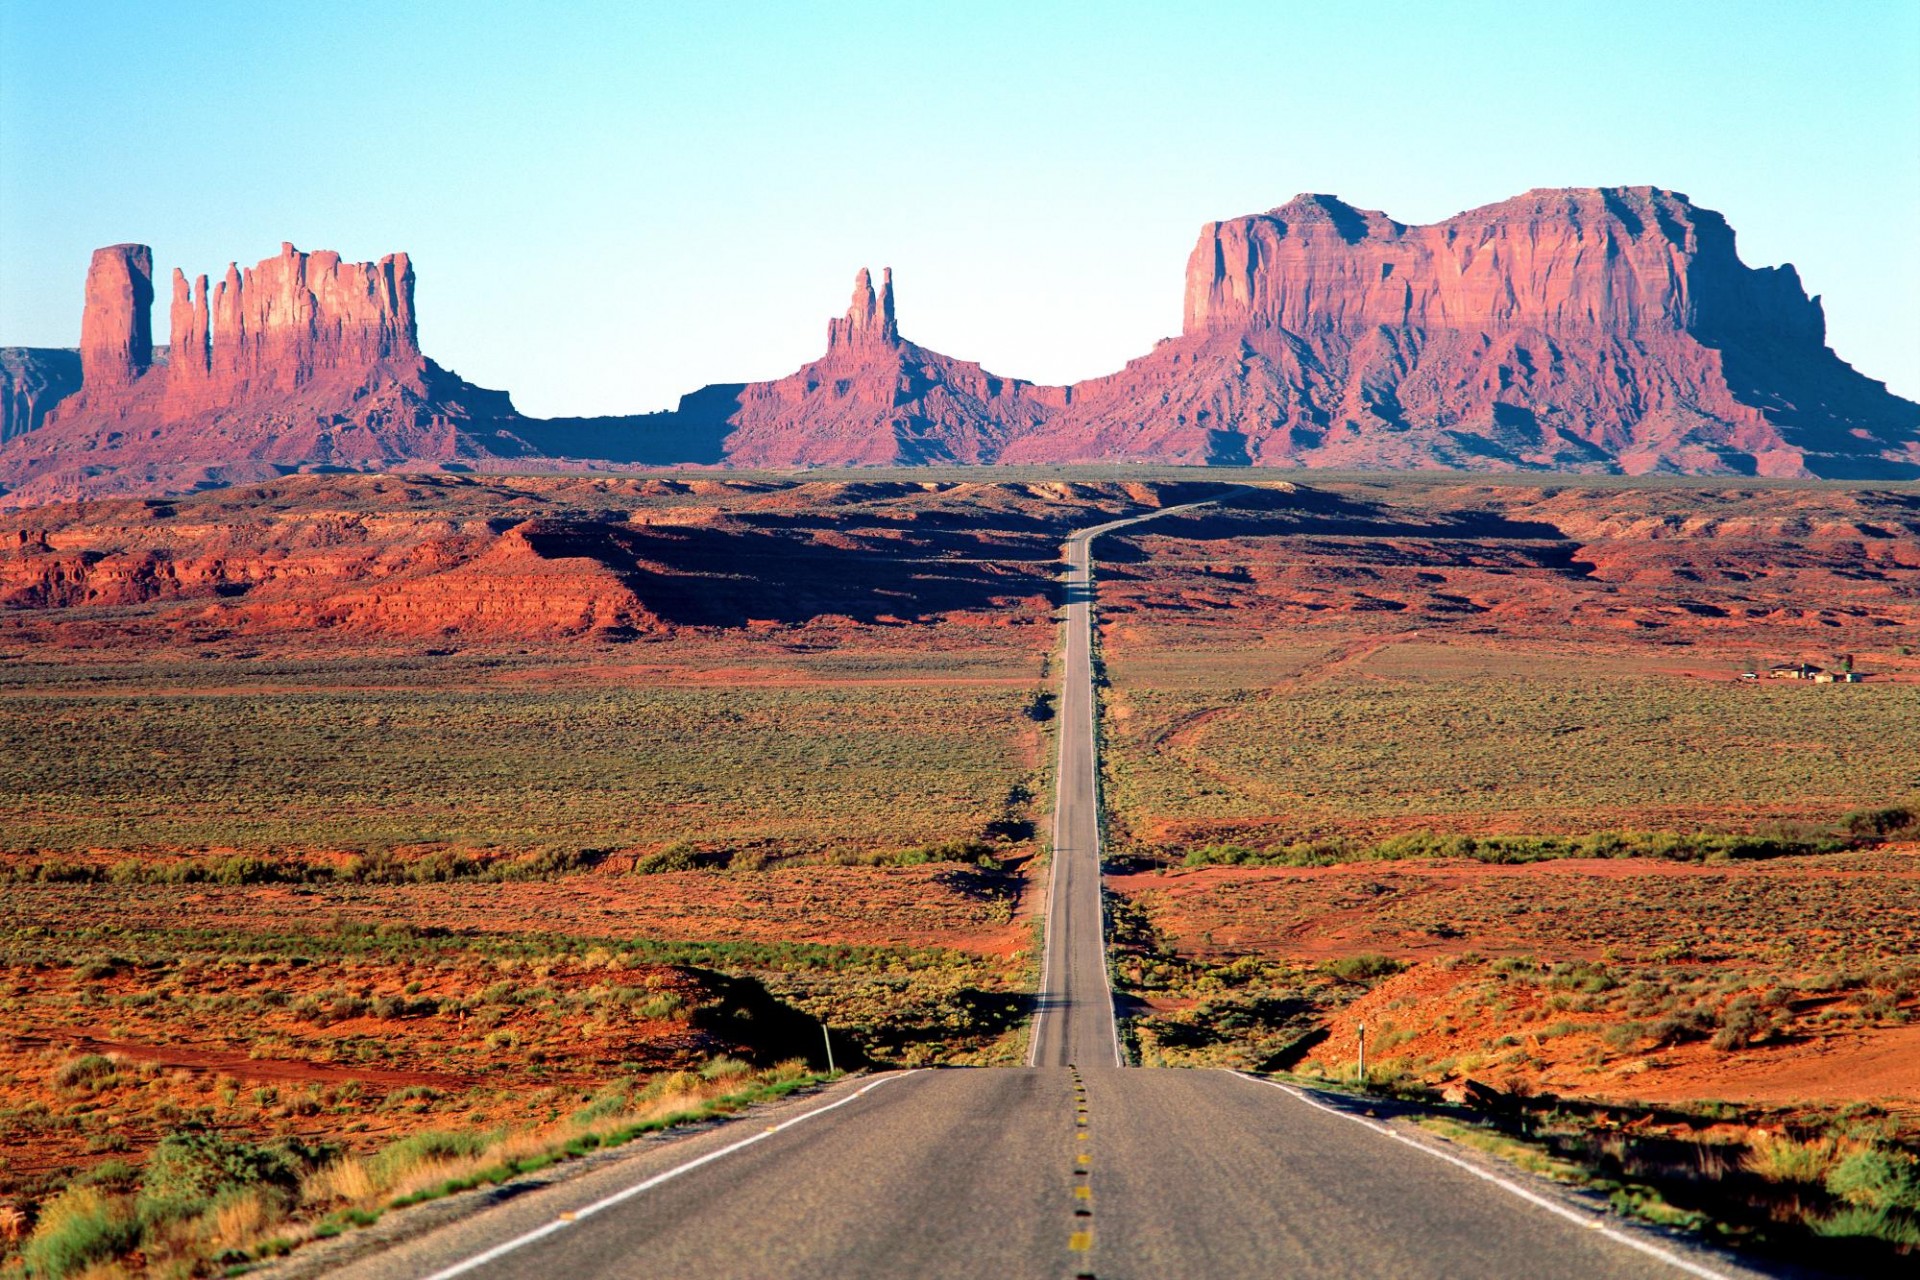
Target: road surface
x=1073, y=1166
x=1073, y=1019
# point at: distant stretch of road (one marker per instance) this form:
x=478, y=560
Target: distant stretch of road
x=1075, y=1166
x=1073, y=1021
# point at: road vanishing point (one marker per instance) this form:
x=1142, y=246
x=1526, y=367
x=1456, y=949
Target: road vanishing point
x=1076, y=1165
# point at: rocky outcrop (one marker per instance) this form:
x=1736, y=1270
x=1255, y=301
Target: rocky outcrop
x=116, y=324
x=869, y=321
x=301, y=360
x=1608, y=329
x=289, y=318
x=32, y=381
x=189, y=355
x=877, y=399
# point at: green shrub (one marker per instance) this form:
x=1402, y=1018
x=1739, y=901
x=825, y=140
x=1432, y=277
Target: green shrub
x=96, y=969
x=1873, y=1224
x=87, y=1069
x=79, y=1228
x=977, y=852
x=1877, y=1179
x=678, y=856
x=1879, y=822
x=441, y=866
x=1362, y=968
x=188, y=1170
x=1741, y=1024
x=116, y=1176
x=396, y=1159
x=554, y=861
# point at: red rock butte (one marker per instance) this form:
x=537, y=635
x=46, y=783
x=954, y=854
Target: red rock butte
x=1610, y=329
x=1587, y=329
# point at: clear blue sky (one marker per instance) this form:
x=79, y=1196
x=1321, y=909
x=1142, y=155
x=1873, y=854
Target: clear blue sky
x=609, y=204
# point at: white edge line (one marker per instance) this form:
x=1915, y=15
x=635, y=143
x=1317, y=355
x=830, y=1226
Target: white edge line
x=607, y=1202
x=1099, y=823
x=1589, y=1221
x=1053, y=853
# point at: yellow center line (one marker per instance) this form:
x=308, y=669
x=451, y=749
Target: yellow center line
x=1080, y=1241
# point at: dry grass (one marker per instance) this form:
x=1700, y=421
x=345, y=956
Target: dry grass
x=95, y=1230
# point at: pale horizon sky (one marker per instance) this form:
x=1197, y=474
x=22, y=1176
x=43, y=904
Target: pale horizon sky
x=609, y=205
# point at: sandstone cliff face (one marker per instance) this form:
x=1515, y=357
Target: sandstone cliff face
x=189, y=355
x=32, y=381
x=300, y=360
x=116, y=324
x=291, y=317
x=877, y=399
x=1610, y=329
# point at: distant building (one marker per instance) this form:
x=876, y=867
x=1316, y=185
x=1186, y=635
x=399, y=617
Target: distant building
x=1807, y=671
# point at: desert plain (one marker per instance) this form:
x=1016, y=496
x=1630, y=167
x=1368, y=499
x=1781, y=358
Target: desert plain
x=394, y=832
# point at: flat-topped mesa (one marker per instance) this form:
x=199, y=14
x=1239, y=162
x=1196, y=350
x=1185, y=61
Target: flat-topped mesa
x=869, y=319
x=289, y=317
x=1625, y=260
x=116, y=326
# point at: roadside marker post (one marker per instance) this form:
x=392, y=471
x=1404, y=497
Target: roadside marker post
x=827, y=1036
x=1363, y=1055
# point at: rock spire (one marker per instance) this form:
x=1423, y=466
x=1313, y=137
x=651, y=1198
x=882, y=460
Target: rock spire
x=116, y=326
x=869, y=317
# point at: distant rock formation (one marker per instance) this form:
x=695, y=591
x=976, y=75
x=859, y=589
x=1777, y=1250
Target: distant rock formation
x=877, y=399
x=32, y=381
x=302, y=360
x=116, y=326
x=1605, y=329
x=869, y=320
x=1608, y=329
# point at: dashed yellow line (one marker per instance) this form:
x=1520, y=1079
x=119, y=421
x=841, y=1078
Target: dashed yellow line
x=1080, y=1239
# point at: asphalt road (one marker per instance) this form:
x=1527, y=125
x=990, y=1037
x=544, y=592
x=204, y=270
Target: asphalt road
x=1073, y=1022
x=1044, y=1172
x=1075, y=1166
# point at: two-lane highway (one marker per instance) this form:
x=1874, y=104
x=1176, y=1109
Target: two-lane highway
x=1073, y=1019
x=1073, y=1167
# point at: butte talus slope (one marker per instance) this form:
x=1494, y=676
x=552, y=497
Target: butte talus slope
x=1610, y=329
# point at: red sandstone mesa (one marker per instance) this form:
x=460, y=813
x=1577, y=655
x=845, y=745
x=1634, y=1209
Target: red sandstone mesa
x=1587, y=329
x=1581, y=329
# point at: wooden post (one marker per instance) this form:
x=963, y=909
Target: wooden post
x=1363, y=1055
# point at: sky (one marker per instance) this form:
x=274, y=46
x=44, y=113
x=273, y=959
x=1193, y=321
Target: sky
x=608, y=205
